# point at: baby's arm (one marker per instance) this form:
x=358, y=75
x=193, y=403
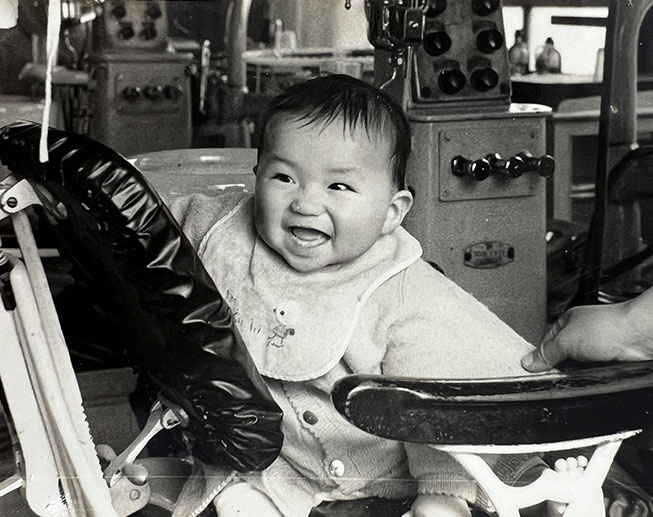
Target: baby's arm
x=242, y=499
x=438, y=331
x=432, y=505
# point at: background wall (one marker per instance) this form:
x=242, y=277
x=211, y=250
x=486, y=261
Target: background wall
x=324, y=23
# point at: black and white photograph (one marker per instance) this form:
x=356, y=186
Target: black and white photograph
x=326, y=258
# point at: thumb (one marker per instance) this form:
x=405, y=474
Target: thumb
x=535, y=362
x=549, y=352
x=544, y=357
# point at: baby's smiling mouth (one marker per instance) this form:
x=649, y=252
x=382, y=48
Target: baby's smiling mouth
x=308, y=237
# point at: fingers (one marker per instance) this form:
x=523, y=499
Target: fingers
x=550, y=351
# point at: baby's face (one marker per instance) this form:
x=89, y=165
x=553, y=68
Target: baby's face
x=322, y=197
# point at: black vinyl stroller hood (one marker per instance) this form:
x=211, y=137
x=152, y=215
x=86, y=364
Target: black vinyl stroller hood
x=175, y=324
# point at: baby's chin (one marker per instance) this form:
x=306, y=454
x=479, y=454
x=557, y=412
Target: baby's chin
x=309, y=266
x=303, y=265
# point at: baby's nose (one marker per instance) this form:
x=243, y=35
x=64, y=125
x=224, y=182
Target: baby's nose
x=307, y=202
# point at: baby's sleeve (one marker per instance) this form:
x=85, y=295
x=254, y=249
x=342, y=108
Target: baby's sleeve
x=439, y=331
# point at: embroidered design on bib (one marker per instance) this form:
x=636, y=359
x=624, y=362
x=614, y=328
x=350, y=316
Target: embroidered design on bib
x=287, y=316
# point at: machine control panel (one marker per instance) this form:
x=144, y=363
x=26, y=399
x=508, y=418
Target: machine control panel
x=463, y=56
x=458, y=49
x=141, y=101
x=506, y=169
x=131, y=24
x=133, y=94
x=510, y=168
x=156, y=93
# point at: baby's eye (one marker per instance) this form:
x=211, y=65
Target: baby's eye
x=340, y=186
x=282, y=177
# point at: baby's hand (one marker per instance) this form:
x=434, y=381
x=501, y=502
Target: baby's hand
x=433, y=505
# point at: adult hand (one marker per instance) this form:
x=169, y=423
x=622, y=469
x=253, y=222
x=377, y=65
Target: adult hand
x=600, y=333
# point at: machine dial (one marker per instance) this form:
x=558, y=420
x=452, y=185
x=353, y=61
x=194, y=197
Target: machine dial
x=485, y=7
x=435, y=8
x=512, y=167
x=153, y=10
x=484, y=79
x=131, y=93
x=544, y=165
x=451, y=81
x=490, y=40
x=153, y=93
x=436, y=43
x=119, y=11
x=172, y=91
x=476, y=169
x=126, y=31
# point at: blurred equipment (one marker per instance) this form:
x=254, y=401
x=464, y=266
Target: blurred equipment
x=616, y=258
x=478, y=162
x=518, y=54
x=548, y=58
x=141, y=90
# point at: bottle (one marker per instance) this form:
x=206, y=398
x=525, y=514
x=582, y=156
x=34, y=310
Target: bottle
x=548, y=58
x=518, y=54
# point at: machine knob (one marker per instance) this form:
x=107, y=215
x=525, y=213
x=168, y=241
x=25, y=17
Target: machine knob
x=153, y=93
x=148, y=32
x=436, y=7
x=476, y=169
x=131, y=93
x=485, y=7
x=489, y=41
x=153, y=10
x=172, y=91
x=436, y=43
x=512, y=167
x=544, y=165
x=119, y=11
x=126, y=31
x=451, y=81
x=484, y=79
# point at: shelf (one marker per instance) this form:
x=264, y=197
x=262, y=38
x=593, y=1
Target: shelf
x=556, y=3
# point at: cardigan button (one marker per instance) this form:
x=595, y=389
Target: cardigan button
x=337, y=468
x=310, y=418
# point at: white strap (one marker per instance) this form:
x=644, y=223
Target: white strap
x=52, y=45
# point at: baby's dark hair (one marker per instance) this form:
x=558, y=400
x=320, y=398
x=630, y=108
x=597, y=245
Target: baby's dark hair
x=326, y=98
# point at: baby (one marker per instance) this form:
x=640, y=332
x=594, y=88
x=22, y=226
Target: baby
x=324, y=282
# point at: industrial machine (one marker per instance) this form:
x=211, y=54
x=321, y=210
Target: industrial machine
x=478, y=165
x=141, y=99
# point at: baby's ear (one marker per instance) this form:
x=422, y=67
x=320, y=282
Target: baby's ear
x=399, y=206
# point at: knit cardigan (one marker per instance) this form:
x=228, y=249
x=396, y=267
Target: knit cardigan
x=388, y=312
